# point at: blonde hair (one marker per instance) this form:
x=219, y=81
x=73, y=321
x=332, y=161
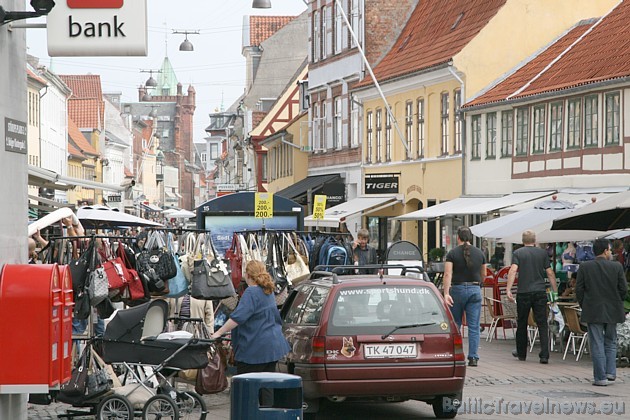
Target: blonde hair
x=257, y=271
x=529, y=237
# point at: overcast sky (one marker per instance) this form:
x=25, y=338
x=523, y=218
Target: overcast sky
x=215, y=68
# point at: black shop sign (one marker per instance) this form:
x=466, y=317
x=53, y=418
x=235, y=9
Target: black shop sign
x=376, y=184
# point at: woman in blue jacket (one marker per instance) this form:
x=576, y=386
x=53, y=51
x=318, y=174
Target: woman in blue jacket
x=256, y=327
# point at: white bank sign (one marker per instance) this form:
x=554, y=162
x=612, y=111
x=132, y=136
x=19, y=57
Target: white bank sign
x=98, y=28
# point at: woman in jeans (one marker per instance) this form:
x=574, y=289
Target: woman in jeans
x=464, y=272
x=257, y=338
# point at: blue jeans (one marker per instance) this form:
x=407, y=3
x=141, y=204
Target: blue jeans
x=467, y=298
x=602, y=339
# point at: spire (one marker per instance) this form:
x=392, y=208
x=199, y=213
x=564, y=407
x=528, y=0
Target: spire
x=167, y=80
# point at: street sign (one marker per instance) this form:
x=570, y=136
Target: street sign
x=14, y=136
x=263, y=206
x=114, y=198
x=98, y=28
x=319, y=207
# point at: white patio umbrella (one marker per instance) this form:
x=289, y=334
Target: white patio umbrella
x=99, y=217
x=181, y=214
x=169, y=211
x=516, y=223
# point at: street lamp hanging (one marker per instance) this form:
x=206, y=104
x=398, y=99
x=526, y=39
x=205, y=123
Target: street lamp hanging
x=186, y=45
x=261, y=4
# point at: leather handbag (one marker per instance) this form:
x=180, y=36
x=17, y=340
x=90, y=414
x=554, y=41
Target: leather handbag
x=79, y=269
x=210, y=278
x=82, y=307
x=116, y=278
x=134, y=286
x=275, y=268
x=235, y=256
x=212, y=378
x=77, y=384
x=295, y=267
x=156, y=256
x=177, y=285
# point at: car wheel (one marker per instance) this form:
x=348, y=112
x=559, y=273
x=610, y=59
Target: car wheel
x=443, y=408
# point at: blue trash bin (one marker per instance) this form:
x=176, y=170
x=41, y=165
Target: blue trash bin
x=266, y=395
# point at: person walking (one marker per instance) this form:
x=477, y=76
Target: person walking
x=533, y=266
x=600, y=290
x=363, y=253
x=257, y=338
x=464, y=271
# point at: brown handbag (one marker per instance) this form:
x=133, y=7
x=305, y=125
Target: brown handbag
x=212, y=379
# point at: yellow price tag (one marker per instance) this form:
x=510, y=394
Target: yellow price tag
x=319, y=207
x=263, y=206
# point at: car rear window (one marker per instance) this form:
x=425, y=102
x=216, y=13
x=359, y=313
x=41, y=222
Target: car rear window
x=306, y=307
x=378, y=309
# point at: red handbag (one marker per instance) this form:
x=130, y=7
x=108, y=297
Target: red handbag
x=235, y=257
x=116, y=277
x=136, y=288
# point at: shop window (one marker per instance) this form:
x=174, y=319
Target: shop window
x=491, y=135
x=612, y=121
x=522, y=131
x=507, y=133
x=556, y=124
x=475, y=134
x=574, y=125
x=591, y=121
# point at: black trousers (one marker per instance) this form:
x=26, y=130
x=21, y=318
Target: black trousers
x=536, y=301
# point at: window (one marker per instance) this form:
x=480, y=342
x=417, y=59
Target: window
x=457, y=97
x=354, y=18
x=539, y=129
x=409, y=128
x=370, y=138
x=420, y=128
x=316, y=36
x=574, y=129
x=556, y=126
x=204, y=157
x=491, y=135
x=315, y=130
x=379, y=135
x=591, y=109
x=322, y=125
x=325, y=43
x=522, y=131
x=612, y=112
x=354, y=123
x=337, y=124
x=265, y=169
x=214, y=151
x=445, y=122
x=507, y=133
x=476, y=137
x=388, y=137
x=338, y=27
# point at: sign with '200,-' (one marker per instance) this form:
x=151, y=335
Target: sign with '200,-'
x=263, y=206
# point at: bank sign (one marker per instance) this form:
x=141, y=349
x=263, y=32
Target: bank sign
x=98, y=28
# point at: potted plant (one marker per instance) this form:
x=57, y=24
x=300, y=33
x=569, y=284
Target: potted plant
x=435, y=259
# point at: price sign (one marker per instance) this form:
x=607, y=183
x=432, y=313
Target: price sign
x=263, y=206
x=319, y=207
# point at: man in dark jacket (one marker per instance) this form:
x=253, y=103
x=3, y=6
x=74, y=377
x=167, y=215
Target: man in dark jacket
x=600, y=290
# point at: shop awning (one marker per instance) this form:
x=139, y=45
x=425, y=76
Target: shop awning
x=41, y=177
x=497, y=203
x=50, y=203
x=455, y=206
x=333, y=216
x=309, y=183
x=150, y=207
x=169, y=194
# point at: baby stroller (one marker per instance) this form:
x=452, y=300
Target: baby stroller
x=146, y=360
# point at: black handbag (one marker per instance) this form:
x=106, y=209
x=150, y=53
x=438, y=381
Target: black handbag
x=156, y=256
x=275, y=266
x=211, y=280
x=77, y=385
x=82, y=307
x=79, y=269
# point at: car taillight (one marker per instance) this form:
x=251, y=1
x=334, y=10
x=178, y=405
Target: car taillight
x=318, y=351
x=458, y=347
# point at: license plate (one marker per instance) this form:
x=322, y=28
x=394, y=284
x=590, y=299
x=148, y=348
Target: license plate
x=393, y=350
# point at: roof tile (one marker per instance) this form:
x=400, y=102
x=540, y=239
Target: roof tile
x=79, y=139
x=86, y=106
x=262, y=27
x=435, y=32
x=589, y=53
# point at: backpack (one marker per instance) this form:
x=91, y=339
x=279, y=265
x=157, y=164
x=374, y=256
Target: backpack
x=334, y=255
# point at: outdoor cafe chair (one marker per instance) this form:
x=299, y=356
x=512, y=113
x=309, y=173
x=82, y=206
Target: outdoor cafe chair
x=577, y=333
x=507, y=314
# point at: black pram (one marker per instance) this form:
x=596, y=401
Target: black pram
x=131, y=337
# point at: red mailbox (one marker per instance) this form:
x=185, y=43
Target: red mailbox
x=67, y=300
x=30, y=327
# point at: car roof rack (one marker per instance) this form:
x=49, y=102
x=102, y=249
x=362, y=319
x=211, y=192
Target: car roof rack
x=321, y=271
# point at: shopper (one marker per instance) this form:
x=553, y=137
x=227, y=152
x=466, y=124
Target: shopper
x=363, y=253
x=464, y=271
x=257, y=337
x=600, y=290
x=533, y=266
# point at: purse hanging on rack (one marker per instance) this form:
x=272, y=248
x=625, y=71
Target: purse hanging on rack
x=98, y=283
x=210, y=276
x=177, y=285
x=234, y=255
x=275, y=268
x=296, y=269
x=135, y=286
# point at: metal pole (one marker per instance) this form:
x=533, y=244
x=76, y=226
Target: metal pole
x=376, y=84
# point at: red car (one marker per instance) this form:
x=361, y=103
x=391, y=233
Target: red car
x=373, y=338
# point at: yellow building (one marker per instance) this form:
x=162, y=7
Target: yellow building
x=83, y=161
x=34, y=85
x=447, y=53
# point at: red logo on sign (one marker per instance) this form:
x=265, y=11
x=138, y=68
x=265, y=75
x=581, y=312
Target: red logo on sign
x=95, y=4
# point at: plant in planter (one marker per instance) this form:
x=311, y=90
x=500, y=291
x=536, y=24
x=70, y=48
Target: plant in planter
x=436, y=254
x=623, y=343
